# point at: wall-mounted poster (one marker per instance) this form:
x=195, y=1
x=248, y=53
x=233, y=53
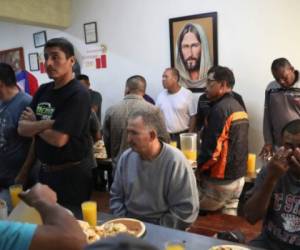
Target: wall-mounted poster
x=194, y=49
x=14, y=57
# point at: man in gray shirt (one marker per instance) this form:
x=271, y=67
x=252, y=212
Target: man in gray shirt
x=282, y=103
x=153, y=181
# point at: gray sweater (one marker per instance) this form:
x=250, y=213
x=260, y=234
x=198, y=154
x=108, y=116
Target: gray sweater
x=282, y=105
x=162, y=191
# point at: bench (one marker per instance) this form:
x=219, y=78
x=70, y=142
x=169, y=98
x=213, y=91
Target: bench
x=211, y=224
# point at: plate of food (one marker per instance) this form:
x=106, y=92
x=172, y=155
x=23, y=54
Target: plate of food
x=112, y=228
x=229, y=247
x=133, y=226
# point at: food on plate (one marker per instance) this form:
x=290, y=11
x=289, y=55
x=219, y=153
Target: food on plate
x=228, y=247
x=99, y=150
x=108, y=229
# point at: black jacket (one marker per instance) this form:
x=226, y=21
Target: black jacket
x=224, y=148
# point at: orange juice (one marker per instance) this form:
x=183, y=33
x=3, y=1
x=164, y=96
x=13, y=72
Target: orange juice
x=251, y=163
x=14, y=191
x=89, y=212
x=174, y=246
x=173, y=143
x=190, y=154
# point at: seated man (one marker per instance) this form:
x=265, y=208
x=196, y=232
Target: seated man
x=276, y=195
x=59, y=231
x=153, y=181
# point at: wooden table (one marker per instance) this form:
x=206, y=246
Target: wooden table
x=159, y=235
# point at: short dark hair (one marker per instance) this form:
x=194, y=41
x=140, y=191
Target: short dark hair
x=7, y=75
x=174, y=72
x=293, y=127
x=153, y=119
x=83, y=77
x=280, y=63
x=136, y=83
x=62, y=43
x=222, y=74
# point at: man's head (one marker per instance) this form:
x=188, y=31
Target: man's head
x=142, y=129
x=170, y=79
x=189, y=46
x=135, y=85
x=59, y=58
x=7, y=80
x=291, y=140
x=283, y=72
x=84, y=80
x=220, y=80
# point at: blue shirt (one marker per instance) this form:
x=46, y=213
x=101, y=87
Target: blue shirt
x=13, y=148
x=15, y=235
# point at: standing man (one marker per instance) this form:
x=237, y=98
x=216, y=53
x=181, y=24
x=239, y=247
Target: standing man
x=193, y=58
x=13, y=147
x=154, y=182
x=224, y=149
x=59, y=121
x=282, y=103
x=176, y=103
x=115, y=121
x=96, y=98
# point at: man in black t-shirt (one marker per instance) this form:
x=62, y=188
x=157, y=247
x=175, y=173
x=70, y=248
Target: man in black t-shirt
x=58, y=118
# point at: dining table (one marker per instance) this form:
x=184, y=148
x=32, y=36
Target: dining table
x=159, y=235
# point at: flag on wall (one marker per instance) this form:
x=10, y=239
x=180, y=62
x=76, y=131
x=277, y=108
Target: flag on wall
x=101, y=62
x=27, y=82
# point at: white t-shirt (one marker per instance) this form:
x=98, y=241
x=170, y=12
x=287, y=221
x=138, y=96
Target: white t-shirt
x=177, y=109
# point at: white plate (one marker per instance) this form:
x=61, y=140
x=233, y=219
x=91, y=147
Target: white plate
x=228, y=247
x=132, y=224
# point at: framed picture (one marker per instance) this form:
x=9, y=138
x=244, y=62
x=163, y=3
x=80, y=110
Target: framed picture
x=194, y=48
x=13, y=57
x=39, y=39
x=90, y=32
x=33, y=61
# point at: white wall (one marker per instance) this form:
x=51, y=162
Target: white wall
x=251, y=33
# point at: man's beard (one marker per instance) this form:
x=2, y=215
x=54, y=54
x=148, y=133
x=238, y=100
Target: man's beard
x=189, y=64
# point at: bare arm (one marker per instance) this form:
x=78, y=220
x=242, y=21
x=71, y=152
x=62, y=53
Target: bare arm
x=60, y=230
x=262, y=195
x=54, y=138
x=23, y=174
x=31, y=128
x=192, y=125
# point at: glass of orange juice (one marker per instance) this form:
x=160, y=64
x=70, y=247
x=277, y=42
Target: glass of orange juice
x=89, y=212
x=14, y=191
x=174, y=245
x=188, y=143
x=251, y=163
x=173, y=143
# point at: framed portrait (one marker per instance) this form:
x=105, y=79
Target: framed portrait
x=90, y=32
x=33, y=59
x=194, y=48
x=39, y=39
x=13, y=57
